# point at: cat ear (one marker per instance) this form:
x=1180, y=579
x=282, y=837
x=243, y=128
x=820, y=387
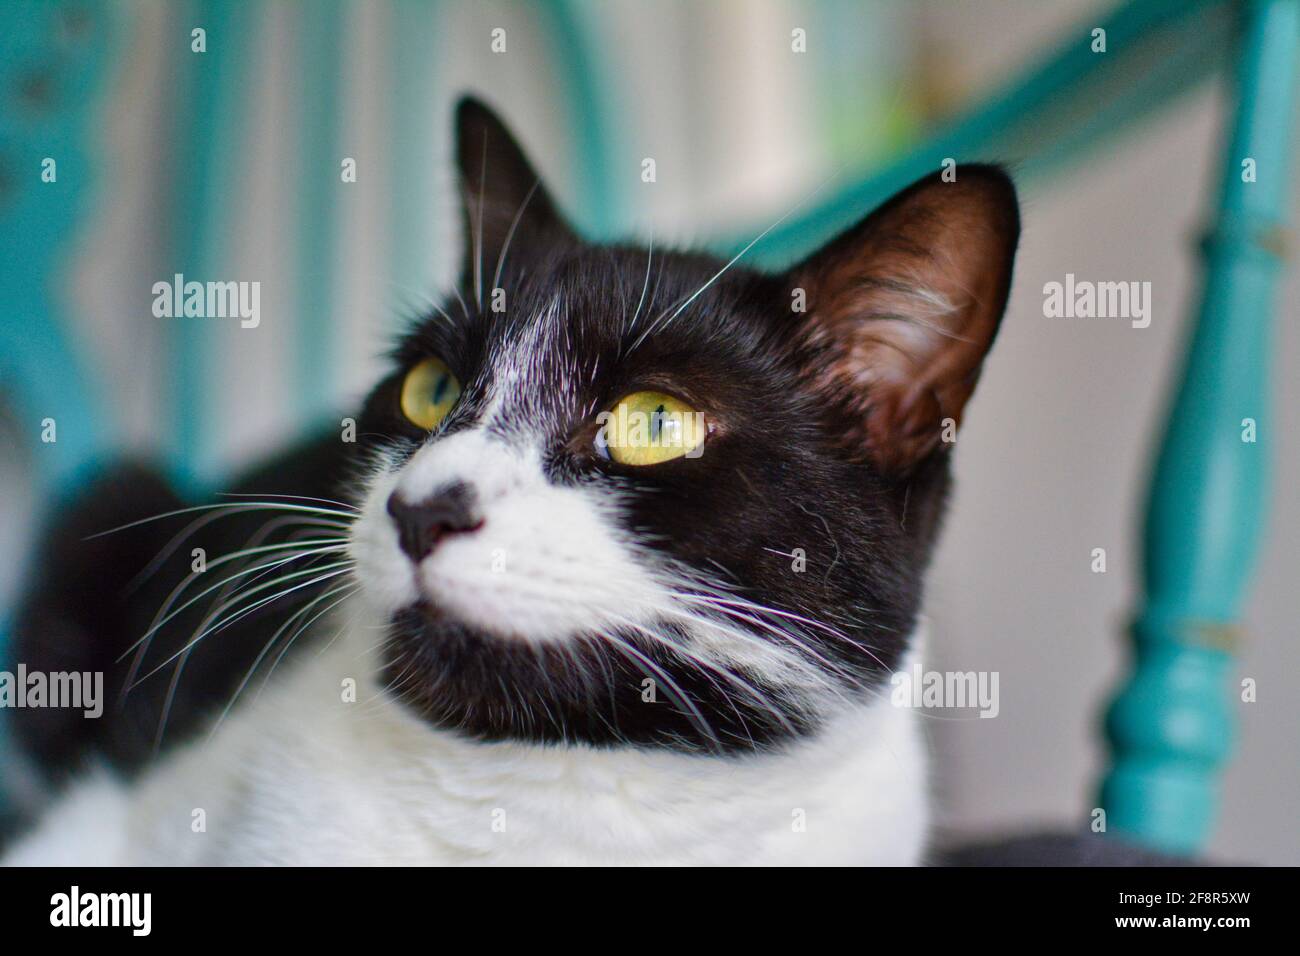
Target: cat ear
x=505, y=207
x=903, y=307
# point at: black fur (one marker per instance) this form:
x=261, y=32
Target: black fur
x=88, y=604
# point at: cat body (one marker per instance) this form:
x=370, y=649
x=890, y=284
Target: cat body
x=301, y=778
x=618, y=570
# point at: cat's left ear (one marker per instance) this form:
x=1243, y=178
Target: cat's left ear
x=902, y=309
x=506, y=209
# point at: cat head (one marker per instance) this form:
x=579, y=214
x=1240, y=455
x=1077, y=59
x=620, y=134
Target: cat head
x=627, y=495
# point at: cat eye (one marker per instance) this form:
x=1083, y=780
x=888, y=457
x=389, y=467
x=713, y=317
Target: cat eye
x=428, y=393
x=648, y=428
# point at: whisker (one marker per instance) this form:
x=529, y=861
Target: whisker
x=478, y=233
x=332, y=570
x=703, y=666
x=328, y=501
x=784, y=635
x=170, y=547
x=510, y=234
x=650, y=254
x=720, y=592
x=707, y=668
x=697, y=717
x=234, y=508
x=316, y=525
x=142, y=645
x=347, y=591
x=224, y=581
x=464, y=309
x=734, y=259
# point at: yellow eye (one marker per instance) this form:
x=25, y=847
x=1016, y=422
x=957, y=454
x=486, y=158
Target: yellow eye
x=647, y=428
x=428, y=393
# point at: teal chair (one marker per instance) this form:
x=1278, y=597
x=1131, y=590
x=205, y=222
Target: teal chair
x=53, y=61
x=1170, y=726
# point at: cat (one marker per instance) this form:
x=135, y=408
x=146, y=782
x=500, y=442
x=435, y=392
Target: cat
x=616, y=571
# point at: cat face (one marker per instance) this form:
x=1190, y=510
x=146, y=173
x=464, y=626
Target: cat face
x=626, y=496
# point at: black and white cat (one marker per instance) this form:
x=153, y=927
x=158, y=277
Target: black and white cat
x=534, y=634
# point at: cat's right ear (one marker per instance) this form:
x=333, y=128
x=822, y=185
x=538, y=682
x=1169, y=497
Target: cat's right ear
x=506, y=210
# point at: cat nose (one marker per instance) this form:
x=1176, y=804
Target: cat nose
x=422, y=524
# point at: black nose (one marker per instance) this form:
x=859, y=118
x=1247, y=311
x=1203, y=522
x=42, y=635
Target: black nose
x=421, y=525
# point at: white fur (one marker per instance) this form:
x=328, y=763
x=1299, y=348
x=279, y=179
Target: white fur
x=302, y=777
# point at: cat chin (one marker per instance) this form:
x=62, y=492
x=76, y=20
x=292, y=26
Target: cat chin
x=595, y=688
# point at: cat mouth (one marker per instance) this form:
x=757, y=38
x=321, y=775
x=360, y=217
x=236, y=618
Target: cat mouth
x=427, y=620
x=423, y=611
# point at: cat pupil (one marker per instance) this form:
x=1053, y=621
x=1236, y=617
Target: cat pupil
x=656, y=423
x=439, y=389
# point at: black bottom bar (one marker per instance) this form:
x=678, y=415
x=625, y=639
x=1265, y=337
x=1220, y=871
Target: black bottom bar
x=984, y=905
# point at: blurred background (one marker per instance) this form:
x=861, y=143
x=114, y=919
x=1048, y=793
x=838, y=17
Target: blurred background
x=241, y=173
